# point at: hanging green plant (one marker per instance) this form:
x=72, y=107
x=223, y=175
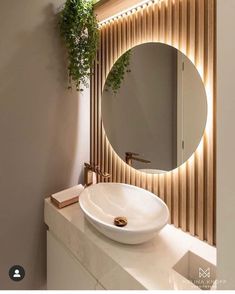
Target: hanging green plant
x=79, y=29
x=117, y=73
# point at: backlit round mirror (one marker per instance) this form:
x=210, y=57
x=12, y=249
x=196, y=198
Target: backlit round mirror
x=154, y=107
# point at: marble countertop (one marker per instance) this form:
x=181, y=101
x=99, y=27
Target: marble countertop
x=119, y=266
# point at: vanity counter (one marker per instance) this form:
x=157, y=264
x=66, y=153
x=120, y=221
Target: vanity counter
x=118, y=266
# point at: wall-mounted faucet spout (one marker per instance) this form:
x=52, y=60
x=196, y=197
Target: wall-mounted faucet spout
x=90, y=170
x=130, y=156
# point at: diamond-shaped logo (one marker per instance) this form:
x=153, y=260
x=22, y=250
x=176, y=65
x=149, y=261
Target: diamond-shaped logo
x=204, y=273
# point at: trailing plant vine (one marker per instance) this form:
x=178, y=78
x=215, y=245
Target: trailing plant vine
x=117, y=73
x=79, y=29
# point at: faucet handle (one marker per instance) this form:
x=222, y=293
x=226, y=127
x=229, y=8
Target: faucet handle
x=101, y=173
x=95, y=168
x=105, y=175
x=92, y=166
x=87, y=165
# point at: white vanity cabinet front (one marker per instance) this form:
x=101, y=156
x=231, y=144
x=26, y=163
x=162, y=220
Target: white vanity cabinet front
x=64, y=271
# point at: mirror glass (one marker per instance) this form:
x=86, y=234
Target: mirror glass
x=154, y=107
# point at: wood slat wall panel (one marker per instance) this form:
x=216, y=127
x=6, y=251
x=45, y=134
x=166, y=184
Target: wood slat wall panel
x=175, y=198
x=188, y=25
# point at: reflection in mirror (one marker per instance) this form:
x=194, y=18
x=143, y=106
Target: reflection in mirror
x=156, y=118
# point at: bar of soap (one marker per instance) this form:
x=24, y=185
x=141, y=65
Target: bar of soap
x=67, y=197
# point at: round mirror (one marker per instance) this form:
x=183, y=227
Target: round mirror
x=154, y=107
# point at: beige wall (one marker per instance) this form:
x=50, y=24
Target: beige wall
x=226, y=143
x=44, y=133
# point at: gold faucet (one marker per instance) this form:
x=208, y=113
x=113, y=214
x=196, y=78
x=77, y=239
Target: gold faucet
x=130, y=156
x=91, y=171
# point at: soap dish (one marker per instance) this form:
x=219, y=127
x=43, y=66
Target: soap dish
x=66, y=197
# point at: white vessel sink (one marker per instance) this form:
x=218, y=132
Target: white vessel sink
x=146, y=213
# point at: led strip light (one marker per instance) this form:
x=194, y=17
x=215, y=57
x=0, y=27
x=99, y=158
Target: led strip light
x=128, y=11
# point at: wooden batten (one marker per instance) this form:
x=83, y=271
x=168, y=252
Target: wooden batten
x=107, y=8
x=187, y=25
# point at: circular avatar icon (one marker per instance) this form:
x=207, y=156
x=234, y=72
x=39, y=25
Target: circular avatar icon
x=16, y=273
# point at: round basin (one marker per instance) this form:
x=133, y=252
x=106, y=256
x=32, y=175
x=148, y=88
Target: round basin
x=146, y=214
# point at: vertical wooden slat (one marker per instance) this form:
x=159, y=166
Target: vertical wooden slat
x=192, y=30
x=176, y=23
x=175, y=176
x=149, y=183
x=119, y=38
x=128, y=32
x=92, y=116
x=95, y=105
x=209, y=146
x=112, y=55
x=183, y=169
x=149, y=22
x=183, y=197
x=213, y=74
x=137, y=179
x=169, y=17
x=191, y=36
x=106, y=70
x=200, y=193
x=161, y=186
x=115, y=40
x=102, y=163
x=128, y=174
x=99, y=116
x=155, y=22
x=118, y=161
x=124, y=34
x=123, y=173
x=133, y=175
x=145, y=32
x=183, y=26
x=189, y=26
x=131, y=171
x=201, y=154
x=168, y=183
x=162, y=27
x=175, y=198
x=191, y=195
x=141, y=26
x=155, y=184
x=199, y=44
x=108, y=67
x=138, y=26
x=107, y=52
x=133, y=28
x=143, y=180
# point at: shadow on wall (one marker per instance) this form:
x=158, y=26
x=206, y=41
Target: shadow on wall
x=44, y=133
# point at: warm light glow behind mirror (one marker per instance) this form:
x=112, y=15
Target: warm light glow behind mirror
x=160, y=110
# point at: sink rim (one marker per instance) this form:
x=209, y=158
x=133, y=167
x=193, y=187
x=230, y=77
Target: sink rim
x=126, y=229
